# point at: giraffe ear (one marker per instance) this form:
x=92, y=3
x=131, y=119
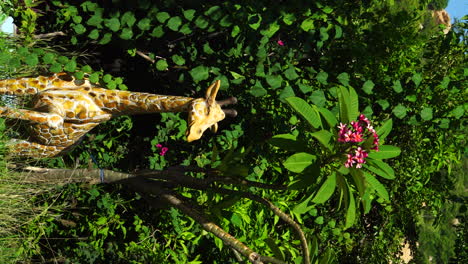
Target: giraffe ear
x=211, y=92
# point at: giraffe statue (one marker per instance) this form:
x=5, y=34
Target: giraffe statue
x=64, y=109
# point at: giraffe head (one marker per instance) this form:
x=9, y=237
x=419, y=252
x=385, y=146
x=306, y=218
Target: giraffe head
x=204, y=113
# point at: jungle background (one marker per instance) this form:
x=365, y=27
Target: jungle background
x=393, y=53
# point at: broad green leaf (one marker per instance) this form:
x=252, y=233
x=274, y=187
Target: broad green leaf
x=397, y=86
x=207, y=49
x=303, y=207
x=384, y=129
x=79, y=29
x=94, y=77
x=274, y=81
x=385, y=152
x=236, y=75
x=235, y=31
x=458, y=112
x=323, y=136
x=257, y=90
x=113, y=24
x=161, y=65
x=157, y=32
x=189, y=14
x=368, y=86
x=162, y=17
x=271, y=30
x=445, y=82
x=199, y=73
x=326, y=190
x=376, y=171
x=144, y=24
x=322, y=77
x=328, y=116
x=426, y=113
x=254, y=21
x=307, y=24
x=399, y=111
x=214, y=13
x=383, y=166
x=343, y=78
x=32, y=59
x=106, y=38
x=376, y=185
x=48, y=58
x=126, y=34
x=174, y=23
x=94, y=34
x=324, y=34
x=383, y=103
x=289, y=18
x=271, y=243
x=351, y=211
x=70, y=66
x=288, y=142
x=56, y=67
x=290, y=73
x=128, y=18
x=343, y=101
x=338, y=32
x=299, y=161
x=287, y=92
x=358, y=179
x=318, y=98
x=353, y=107
x=367, y=201
x=304, y=87
x=95, y=20
x=179, y=60
x=417, y=78
x=305, y=110
x=411, y=98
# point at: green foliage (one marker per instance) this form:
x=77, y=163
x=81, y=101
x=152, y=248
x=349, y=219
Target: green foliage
x=298, y=70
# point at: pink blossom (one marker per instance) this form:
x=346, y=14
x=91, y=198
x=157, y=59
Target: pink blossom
x=280, y=42
x=356, y=132
x=163, y=149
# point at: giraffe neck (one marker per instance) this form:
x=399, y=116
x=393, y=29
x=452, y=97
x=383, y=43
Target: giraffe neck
x=128, y=103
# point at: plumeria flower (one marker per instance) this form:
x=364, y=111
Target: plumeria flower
x=280, y=42
x=354, y=133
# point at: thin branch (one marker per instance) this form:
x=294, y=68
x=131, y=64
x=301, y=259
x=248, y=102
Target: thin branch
x=49, y=35
x=300, y=234
x=173, y=199
x=146, y=57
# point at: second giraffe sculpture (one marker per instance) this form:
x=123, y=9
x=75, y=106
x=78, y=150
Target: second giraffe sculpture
x=65, y=109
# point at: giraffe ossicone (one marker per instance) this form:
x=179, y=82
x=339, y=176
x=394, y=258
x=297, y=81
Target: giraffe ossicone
x=65, y=109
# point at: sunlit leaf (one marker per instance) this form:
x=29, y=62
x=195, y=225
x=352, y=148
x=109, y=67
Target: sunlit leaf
x=351, y=211
x=323, y=136
x=385, y=152
x=376, y=185
x=384, y=129
x=299, y=161
x=326, y=190
x=305, y=110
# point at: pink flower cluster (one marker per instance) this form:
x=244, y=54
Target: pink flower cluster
x=163, y=149
x=357, y=132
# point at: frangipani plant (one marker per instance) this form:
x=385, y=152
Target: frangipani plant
x=350, y=160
